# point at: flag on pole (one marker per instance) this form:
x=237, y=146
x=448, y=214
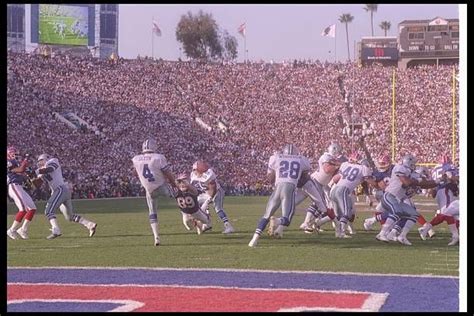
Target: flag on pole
x=329, y=31
x=156, y=29
x=241, y=29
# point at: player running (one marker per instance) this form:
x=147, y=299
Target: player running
x=50, y=171
x=285, y=170
x=23, y=201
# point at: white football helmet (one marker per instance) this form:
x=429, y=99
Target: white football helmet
x=149, y=146
x=334, y=149
x=423, y=171
x=290, y=149
x=409, y=161
x=44, y=157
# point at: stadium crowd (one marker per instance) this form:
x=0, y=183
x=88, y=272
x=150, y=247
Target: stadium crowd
x=249, y=109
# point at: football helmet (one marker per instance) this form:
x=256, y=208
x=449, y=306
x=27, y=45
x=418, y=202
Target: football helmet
x=42, y=159
x=364, y=162
x=354, y=157
x=383, y=163
x=334, y=149
x=290, y=149
x=409, y=161
x=149, y=146
x=423, y=171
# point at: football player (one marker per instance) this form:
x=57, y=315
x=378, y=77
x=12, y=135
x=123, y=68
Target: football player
x=205, y=180
x=156, y=178
x=23, y=201
x=401, y=185
x=49, y=170
x=186, y=196
x=328, y=167
x=447, y=191
x=350, y=175
x=284, y=170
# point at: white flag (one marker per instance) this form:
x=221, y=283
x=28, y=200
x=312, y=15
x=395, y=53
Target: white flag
x=329, y=31
x=242, y=28
x=156, y=28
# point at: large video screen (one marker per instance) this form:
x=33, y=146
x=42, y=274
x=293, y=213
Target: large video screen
x=63, y=24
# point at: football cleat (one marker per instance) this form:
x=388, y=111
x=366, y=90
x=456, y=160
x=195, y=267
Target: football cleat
x=431, y=233
x=157, y=241
x=392, y=236
x=12, y=234
x=454, y=241
x=23, y=233
x=254, y=241
x=403, y=240
x=92, y=229
x=422, y=232
x=54, y=233
x=228, y=228
x=381, y=237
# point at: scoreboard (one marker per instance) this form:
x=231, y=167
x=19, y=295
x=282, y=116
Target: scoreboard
x=437, y=38
x=378, y=49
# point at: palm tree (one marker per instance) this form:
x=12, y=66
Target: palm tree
x=347, y=18
x=385, y=26
x=371, y=7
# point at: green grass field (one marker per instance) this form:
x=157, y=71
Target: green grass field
x=48, y=36
x=124, y=238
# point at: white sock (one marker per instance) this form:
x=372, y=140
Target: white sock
x=454, y=231
x=154, y=228
x=54, y=223
x=309, y=218
x=26, y=224
x=15, y=226
x=85, y=222
x=342, y=227
x=324, y=220
x=387, y=226
x=406, y=228
x=393, y=233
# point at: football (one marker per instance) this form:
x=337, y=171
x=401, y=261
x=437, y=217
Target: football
x=202, y=166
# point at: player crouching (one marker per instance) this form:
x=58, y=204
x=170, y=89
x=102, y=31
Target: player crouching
x=187, y=198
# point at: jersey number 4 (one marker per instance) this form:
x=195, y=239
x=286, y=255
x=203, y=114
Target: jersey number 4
x=147, y=173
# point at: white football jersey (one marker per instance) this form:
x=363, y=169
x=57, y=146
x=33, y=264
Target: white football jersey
x=395, y=185
x=319, y=175
x=288, y=168
x=150, y=167
x=352, y=175
x=204, y=179
x=54, y=178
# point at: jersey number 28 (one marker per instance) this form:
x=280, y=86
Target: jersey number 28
x=289, y=169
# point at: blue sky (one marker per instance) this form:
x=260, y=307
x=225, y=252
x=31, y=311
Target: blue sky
x=274, y=32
